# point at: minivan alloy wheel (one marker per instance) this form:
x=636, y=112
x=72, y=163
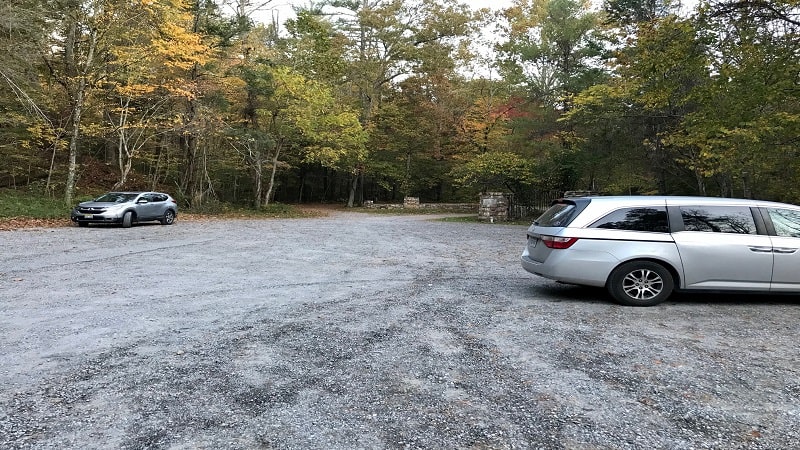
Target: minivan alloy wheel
x=640, y=283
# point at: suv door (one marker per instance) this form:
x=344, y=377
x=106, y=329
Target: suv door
x=721, y=248
x=784, y=225
x=149, y=210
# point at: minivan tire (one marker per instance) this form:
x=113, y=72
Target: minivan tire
x=640, y=283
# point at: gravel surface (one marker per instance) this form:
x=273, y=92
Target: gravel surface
x=358, y=331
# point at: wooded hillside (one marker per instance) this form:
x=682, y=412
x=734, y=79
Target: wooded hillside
x=358, y=100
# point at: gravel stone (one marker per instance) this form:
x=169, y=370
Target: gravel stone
x=358, y=331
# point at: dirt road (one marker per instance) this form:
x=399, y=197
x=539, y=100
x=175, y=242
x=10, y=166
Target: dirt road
x=361, y=331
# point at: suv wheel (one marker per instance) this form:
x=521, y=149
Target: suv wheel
x=640, y=283
x=127, y=219
x=169, y=217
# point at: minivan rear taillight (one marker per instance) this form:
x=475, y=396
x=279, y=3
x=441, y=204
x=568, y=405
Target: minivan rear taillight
x=558, y=242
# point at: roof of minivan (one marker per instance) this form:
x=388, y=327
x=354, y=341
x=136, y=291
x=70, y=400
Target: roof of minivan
x=675, y=200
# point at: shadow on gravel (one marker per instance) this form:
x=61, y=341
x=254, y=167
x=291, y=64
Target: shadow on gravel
x=735, y=298
x=556, y=292
x=118, y=225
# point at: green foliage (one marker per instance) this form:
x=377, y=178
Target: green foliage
x=634, y=12
x=232, y=211
x=305, y=110
x=23, y=203
x=551, y=47
x=374, y=102
x=496, y=171
x=315, y=49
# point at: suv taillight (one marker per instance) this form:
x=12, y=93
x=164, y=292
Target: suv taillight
x=558, y=242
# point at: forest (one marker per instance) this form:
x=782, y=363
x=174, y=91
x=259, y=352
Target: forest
x=354, y=100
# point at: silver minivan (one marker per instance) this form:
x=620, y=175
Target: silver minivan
x=643, y=248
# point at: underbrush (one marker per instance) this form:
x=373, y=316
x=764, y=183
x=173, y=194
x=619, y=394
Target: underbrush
x=26, y=204
x=18, y=203
x=271, y=211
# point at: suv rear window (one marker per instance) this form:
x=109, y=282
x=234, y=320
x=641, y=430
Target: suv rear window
x=636, y=219
x=558, y=215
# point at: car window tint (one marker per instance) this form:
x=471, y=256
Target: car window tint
x=558, y=215
x=718, y=219
x=115, y=197
x=636, y=219
x=786, y=222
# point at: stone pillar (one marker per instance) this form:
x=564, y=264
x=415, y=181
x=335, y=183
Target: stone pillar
x=411, y=202
x=494, y=206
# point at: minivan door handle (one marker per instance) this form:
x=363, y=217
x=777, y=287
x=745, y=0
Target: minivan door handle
x=761, y=249
x=784, y=250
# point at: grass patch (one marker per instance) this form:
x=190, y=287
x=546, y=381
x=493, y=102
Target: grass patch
x=26, y=204
x=271, y=211
x=406, y=211
x=460, y=219
x=474, y=219
x=457, y=217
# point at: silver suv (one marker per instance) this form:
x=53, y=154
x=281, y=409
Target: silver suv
x=643, y=248
x=126, y=208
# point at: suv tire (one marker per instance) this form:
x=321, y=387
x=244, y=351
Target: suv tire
x=169, y=217
x=640, y=283
x=127, y=219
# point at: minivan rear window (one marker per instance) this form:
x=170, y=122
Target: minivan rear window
x=636, y=219
x=558, y=215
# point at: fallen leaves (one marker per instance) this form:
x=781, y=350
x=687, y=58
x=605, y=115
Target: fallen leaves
x=18, y=223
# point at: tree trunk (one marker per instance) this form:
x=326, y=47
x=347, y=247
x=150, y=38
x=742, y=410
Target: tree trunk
x=258, y=181
x=77, y=96
x=271, y=184
x=72, y=170
x=353, y=185
x=701, y=183
x=188, y=185
x=124, y=160
x=191, y=180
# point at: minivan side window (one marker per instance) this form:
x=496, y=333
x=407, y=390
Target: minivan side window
x=718, y=219
x=636, y=219
x=785, y=221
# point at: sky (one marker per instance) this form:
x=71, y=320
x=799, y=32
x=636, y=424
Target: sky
x=282, y=9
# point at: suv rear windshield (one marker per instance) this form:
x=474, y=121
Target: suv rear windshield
x=558, y=215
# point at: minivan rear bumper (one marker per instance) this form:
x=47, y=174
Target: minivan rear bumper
x=588, y=268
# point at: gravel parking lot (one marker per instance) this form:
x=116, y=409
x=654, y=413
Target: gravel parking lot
x=358, y=331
